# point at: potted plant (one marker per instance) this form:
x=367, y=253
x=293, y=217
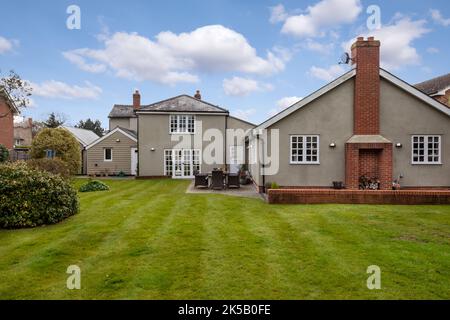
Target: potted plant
x=338, y=185
x=244, y=175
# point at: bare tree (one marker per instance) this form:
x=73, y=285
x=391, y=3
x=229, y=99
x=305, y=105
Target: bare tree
x=19, y=90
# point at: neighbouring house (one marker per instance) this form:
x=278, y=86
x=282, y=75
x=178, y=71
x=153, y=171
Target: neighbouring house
x=437, y=88
x=165, y=139
x=84, y=138
x=8, y=110
x=23, y=136
x=23, y=133
x=366, y=123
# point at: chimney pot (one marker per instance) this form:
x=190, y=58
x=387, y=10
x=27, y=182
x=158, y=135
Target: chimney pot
x=198, y=95
x=136, y=100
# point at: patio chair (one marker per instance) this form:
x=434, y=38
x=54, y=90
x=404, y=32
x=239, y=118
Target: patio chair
x=217, y=179
x=201, y=180
x=233, y=180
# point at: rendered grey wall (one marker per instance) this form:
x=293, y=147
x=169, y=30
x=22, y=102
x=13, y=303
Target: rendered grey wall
x=331, y=117
x=154, y=133
x=119, y=122
x=403, y=115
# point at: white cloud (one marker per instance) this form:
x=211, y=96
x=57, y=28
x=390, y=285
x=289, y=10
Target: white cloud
x=396, y=42
x=175, y=58
x=283, y=103
x=322, y=48
x=238, y=86
x=432, y=50
x=278, y=14
x=327, y=74
x=438, y=18
x=76, y=57
x=321, y=16
x=58, y=89
x=7, y=45
x=243, y=114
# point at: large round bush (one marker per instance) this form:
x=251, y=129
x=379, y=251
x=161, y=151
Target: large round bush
x=62, y=142
x=30, y=197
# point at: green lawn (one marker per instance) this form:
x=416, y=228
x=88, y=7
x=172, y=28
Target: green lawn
x=150, y=240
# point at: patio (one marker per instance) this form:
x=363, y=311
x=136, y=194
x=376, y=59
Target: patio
x=246, y=191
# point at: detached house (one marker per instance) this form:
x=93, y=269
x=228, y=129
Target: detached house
x=165, y=139
x=366, y=123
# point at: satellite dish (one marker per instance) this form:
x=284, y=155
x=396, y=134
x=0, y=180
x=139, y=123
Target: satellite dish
x=345, y=58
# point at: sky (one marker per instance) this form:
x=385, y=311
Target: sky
x=251, y=57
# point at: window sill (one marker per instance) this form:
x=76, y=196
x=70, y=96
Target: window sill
x=304, y=163
x=426, y=163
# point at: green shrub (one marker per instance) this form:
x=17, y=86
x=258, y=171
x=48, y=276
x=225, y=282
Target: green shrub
x=274, y=185
x=93, y=185
x=30, y=197
x=4, y=153
x=55, y=166
x=62, y=142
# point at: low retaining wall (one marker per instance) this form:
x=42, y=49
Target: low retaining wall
x=313, y=196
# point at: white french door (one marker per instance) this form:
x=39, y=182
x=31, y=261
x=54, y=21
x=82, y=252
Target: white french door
x=184, y=162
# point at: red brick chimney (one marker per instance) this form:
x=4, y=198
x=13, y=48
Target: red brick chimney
x=366, y=56
x=198, y=95
x=136, y=100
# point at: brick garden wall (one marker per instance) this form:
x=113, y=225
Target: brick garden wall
x=316, y=196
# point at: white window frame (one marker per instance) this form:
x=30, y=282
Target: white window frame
x=425, y=148
x=104, y=155
x=168, y=153
x=195, y=160
x=178, y=118
x=304, y=136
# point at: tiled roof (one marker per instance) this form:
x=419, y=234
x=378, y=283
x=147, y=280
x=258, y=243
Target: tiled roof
x=183, y=103
x=434, y=85
x=130, y=132
x=122, y=111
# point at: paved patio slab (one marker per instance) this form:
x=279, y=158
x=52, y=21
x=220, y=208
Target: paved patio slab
x=246, y=191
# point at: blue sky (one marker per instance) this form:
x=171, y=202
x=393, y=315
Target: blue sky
x=251, y=57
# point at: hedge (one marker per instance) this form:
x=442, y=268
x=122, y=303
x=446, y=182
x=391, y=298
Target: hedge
x=4, y=153
x=55, y=166
x=30, y=197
